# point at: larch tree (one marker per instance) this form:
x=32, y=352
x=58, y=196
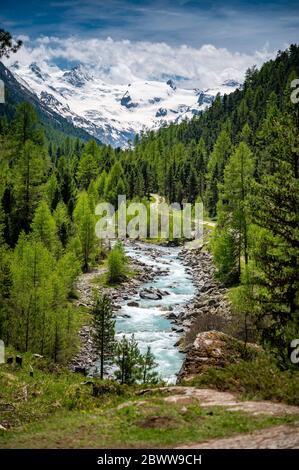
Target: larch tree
x=103, y=329
x=85, y=226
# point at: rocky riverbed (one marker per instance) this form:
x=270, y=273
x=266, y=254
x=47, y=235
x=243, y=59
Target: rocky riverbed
x=209, y=308
x=87, y=285
x=172, y=297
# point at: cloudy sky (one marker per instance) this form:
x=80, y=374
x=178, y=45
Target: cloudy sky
x=185, y=38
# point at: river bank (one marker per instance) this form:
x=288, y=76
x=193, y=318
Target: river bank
x=172, y=297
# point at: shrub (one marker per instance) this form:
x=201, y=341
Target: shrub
x=117, y=264
x=259, y=379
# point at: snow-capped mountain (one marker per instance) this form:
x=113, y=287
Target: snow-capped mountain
x=114, y=113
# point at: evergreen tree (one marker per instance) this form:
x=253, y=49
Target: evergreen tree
x=218, y=158
x=30, y=172
x=85, y=226
x=7, y=44
x=148, y=364
x=127, y=359
x=25, y=126
x=88, y=170
x=63, y=223
x=44, y=228
x=32, y=266
x=231, y=236
x=274, y=207
x=103, y=329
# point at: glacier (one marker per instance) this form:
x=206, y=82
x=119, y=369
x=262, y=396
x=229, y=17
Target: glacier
x=115, y=113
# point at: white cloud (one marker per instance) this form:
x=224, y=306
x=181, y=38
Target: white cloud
x=123, y=61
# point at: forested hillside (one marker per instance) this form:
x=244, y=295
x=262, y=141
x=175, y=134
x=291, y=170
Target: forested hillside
x=240, y=158
x=54, y=125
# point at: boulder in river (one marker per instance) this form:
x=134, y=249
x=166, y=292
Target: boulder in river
x=151, y=294
x=133, y=303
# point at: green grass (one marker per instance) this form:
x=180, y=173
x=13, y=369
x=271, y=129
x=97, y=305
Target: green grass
x=102, y=280
x=258, y=378
x=154, y=424
x=54, y=408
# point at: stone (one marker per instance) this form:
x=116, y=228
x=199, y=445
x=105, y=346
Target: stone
x=151, y=295
x=213, y=349
x=172, y=316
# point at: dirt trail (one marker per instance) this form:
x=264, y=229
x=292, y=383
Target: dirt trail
x=208, y=397
x=277, y=437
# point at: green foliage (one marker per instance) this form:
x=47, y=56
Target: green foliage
x=127, y=359
x=7, y=44
x=218, y=158
x=231, y=236
x=132, y=365
x=103, y=329
x=148, y=364
x=240, y=157
x=40, y=319
x=274, y=208
x=44, y=228
x=63, y=223
x=30, y=171
x=85, y=227
x=258, y=379
x=87, y=170
x=117, y=264
x=57, y=403
x=115, y=184
x=225, y=255
x=25, y=126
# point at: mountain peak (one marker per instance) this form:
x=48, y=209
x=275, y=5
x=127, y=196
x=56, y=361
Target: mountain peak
x=114, y=111
x=77, y=76
x=232, y=83
x=37, y=71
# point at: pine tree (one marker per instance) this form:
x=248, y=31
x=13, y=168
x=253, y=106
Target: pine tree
x=274, y=208
x=231, y=236
x=7, y=44
x=128, y=359
x=5, y=280
x=63, y=223
x=44, y=228
x=88, y=170
x=218, y=158
x=85, y=225
x=30, y=172
x=32, y=266
x=148, y=364
x=103, y=329
x=25, y=126
x=52, y=191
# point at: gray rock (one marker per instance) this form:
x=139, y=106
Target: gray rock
x=133, y=303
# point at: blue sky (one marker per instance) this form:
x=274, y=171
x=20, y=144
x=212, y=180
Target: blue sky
x=239, y=26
